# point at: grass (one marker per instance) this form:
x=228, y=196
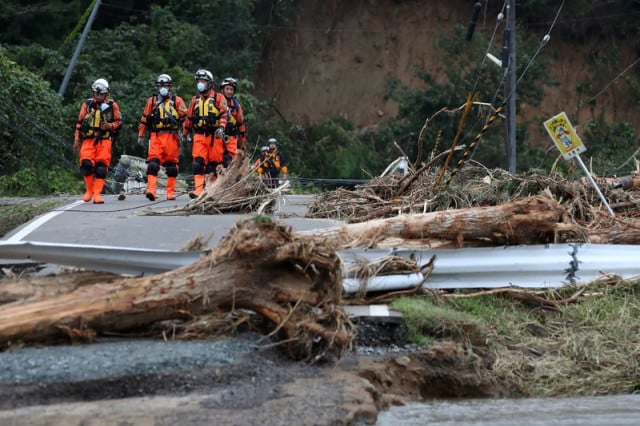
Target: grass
x=425, y=320
x=14, y=215
x=591, y=347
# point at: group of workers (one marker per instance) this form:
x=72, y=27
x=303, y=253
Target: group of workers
x=212, y=124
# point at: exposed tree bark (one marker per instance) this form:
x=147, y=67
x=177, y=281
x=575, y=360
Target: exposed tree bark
x=34, y=288
x=616, y=231
x=294, y=282
x=530, y=220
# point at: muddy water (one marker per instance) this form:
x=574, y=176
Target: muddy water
x=619, y=410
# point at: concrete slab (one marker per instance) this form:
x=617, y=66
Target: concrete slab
x=370, y=311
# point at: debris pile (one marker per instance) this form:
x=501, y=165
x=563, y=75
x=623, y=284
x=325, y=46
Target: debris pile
x=292, y=282
x=476, y=188
x=234, y=190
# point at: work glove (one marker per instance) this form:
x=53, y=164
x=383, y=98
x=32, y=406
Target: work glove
x=219, y=132
x=142, y=142
x=106, y=126
x=76, y=147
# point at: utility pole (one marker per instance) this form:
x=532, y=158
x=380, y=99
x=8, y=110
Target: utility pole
x=509, y=50
x=76, y=53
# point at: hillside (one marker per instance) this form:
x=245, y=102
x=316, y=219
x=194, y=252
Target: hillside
x=337, y=56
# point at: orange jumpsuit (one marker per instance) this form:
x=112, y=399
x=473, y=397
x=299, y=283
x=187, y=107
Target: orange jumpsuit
x=163, y=117
x=270, y=166
x=207, y=112
x=97, y=122
x=235, y=131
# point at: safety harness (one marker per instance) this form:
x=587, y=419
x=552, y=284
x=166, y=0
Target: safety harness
x=206, y=115
x=232, y=124
x=271, y=160
x=164, y=116
x=90, y=125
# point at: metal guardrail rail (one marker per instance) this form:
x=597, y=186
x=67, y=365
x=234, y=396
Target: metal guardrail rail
x=532, y=266
x=536, y=266
x=117, y=260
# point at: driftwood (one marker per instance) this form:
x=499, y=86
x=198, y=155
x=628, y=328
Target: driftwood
x=295, y=283
x=615, y=231
x=532, y=220
x=235, y=190
x=476, y=186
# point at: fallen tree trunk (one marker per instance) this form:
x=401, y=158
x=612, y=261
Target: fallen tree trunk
x=616, y=231
x=295, y=283
x=34, y=288
x=530, y=220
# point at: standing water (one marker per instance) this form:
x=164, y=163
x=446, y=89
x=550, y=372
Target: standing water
x=617, y=410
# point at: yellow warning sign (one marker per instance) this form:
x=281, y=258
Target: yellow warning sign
x=564, y=135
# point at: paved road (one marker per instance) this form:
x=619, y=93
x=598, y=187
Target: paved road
x=124, y=224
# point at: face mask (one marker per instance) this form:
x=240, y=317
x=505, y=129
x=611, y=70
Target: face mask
x=201, y=86
x=164, y=91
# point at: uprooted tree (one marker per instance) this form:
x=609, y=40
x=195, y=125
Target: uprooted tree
x=293, y=282
x=531, y=220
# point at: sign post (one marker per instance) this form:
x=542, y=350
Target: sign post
x=570, y=145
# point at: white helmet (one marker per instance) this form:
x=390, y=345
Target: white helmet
x=164, y=79
x=273, y=140
x=203, y=74
x=100, y=86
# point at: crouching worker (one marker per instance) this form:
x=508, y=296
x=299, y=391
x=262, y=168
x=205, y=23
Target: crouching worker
x=98, y=121
x=272, y=163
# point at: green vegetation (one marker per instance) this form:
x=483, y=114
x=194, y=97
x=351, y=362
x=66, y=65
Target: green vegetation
x=132, y=42
x=425, y=321
x=14, y=215
x=583, y=341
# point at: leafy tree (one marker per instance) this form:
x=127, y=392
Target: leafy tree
x=228, y=42
x=33, y=119
x=37, y=22
x=610, y=146
x=132, y=41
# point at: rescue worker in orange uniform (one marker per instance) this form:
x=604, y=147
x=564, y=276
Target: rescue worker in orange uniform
x=98, y=121
x=163, y=117
x=235, y=131
x=258, y=162
x=207, y=118
x=272, y=163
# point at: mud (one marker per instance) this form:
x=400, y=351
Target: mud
x=260, y=387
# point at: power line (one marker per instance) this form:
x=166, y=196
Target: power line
x=365, y=30
x=23, y=114
x=543, y=42
x=29, y=137
x=610, y=83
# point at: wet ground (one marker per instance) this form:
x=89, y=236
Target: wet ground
x=236, y=381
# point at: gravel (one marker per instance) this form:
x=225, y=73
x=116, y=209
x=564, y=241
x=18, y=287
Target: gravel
x=117, y=357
